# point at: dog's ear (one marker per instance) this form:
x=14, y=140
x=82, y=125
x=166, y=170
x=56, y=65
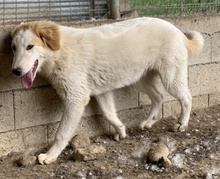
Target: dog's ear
x=13, y=33
x=49, y=33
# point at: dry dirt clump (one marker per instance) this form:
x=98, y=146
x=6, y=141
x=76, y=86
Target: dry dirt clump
x=159, y=153
x=90, y=153
x=80, y=141
x=83, y=150
x=27, y=160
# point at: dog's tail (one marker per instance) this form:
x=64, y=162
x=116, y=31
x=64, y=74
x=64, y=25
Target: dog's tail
x=194, y=43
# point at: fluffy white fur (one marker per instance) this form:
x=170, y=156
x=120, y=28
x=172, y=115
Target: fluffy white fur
x=81, y=63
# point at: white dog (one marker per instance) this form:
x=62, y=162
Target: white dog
x=81, y=63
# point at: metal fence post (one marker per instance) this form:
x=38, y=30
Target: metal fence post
x=92, y=9
x=114, y=9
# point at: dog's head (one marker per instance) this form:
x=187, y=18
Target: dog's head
x=30, y=42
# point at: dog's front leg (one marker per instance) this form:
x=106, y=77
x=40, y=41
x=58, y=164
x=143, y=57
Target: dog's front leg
x=71, y=117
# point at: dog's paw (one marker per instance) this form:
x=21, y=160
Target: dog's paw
x=45, y=159
x=121, y=134
x=145, y=125
x=118, y=137
x=180, y=127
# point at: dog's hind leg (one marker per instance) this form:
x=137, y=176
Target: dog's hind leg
x=149, y=84
x=73, y=111
x=174, y=79
x=106, y=102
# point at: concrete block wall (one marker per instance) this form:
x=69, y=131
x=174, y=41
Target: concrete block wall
x=29, y=118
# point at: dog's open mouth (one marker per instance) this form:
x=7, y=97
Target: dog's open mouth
x=28, y=78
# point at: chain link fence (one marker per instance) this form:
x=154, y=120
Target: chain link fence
x=16, y=11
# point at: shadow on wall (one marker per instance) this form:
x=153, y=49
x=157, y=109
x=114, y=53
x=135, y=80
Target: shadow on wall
x=6, y=79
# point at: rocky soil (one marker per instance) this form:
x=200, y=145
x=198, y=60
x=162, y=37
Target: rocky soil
x=192, y=154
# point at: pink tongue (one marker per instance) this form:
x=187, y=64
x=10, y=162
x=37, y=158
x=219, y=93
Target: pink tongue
x=27, y=79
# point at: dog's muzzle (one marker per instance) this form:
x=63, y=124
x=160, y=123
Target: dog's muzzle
x=17, y=71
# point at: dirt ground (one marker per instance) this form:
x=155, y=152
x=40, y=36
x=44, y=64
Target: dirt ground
x=194, y=154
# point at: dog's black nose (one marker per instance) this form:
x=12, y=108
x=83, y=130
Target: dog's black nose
x=17, y=71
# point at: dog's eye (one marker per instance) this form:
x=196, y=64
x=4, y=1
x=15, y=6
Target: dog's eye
x=13, y=48
x=29, y=47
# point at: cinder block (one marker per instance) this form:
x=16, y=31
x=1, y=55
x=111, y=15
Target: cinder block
x=92, y=108
x=204, y=24
x=36, y=107
x=6, y=79
x=214, y=99
x=145, y=100
x=124, y=98
x=200, y=102
x=205, y=56
x=94, y=125
x=204, y=79
x=20, y=140
x=6, y=111
x=173, y=108
x=51, y=131
x=91, y=125
x=133, y=117
x=5, y=39
x=215, y=47
x=38, y=82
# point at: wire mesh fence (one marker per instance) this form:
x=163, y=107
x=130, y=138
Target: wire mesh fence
x=25, y=10
x=174, y=7
x=15, y=11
